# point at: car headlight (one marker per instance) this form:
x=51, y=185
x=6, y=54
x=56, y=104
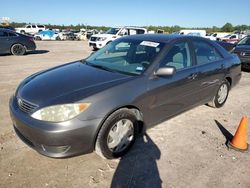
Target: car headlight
x=101, y=38
x=59, y=113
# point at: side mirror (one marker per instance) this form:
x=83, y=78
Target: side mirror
x=166, y=71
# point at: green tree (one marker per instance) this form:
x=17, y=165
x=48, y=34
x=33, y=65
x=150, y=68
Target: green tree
x=228, y=27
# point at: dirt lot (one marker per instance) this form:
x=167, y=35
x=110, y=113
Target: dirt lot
x=186, y=151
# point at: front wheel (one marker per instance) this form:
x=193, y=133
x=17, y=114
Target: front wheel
x=221, y=95
x=117, y=135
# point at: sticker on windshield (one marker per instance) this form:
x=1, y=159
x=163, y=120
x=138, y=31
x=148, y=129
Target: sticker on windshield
x=149, y=43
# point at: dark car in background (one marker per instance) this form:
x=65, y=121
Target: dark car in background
x=243, y=51
x=135, y=82
x=15, y=43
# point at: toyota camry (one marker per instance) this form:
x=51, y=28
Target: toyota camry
x=100, y=103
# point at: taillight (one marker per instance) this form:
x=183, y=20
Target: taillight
x=32, y=39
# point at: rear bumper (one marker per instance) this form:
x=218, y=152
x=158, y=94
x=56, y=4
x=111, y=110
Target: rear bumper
x=57, y=140
x=31, y=46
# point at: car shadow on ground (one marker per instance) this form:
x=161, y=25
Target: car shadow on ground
x=224, y=131
x=37, y=52
x=138, y=168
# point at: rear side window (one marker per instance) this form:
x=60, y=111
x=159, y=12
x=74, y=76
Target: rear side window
x=140, y=31
x=178, y=56
x=12, y=35
x=40, y=26
x=3, y=34
x=205, y=53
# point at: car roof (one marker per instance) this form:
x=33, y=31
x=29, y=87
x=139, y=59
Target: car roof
x=6, y=30
x=160, y=37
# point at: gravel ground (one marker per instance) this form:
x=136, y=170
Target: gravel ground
x=186, y=151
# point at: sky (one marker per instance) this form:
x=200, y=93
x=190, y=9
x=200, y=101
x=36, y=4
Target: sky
x=186, y=13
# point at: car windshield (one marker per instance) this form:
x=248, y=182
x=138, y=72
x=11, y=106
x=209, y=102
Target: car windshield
x=245, y=41
x=112, y=31
x=130, y=57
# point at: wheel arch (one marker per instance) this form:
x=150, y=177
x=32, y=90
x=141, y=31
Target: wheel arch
x=138, y=114
x=229, y=79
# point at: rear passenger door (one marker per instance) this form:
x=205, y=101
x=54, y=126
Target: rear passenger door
x=210, y=67
x=4, y=42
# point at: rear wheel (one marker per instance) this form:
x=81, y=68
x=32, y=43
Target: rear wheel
x=38, y=38
x=221, y=95
x=18, y=49
x=117, y=135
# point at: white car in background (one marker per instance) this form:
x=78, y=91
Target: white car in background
x=31, y=29
x=98, y=41
x=216, y=36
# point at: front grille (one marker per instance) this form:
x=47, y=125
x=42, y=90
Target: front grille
x=93, y=38
x=26, y=106
x=245, y=54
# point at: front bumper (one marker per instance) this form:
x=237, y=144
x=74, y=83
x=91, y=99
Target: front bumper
x=97, y=44
x=57, y=140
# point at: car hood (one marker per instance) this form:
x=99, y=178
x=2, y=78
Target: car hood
x=103, y=35
x=67, y=83
x=240, y=48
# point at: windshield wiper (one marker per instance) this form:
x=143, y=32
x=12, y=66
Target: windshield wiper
x=100, y=67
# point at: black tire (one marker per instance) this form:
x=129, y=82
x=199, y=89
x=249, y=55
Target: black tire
x=38, y=38
x=95, y=48
x=101, y=147
x=22, y=32
x=216, y=102
x=18, y=49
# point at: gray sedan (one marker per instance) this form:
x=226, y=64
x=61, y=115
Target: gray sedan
x=102, y=102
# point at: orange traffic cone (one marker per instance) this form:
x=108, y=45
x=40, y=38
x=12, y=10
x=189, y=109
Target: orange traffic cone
x=239, y=141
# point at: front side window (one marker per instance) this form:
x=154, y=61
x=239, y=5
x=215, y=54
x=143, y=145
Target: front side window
x=33, y=26
x=205, y=53
x=130, y=57
x=29, y=26
x=113, y=31
x=12, y=34
x=178, y=56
